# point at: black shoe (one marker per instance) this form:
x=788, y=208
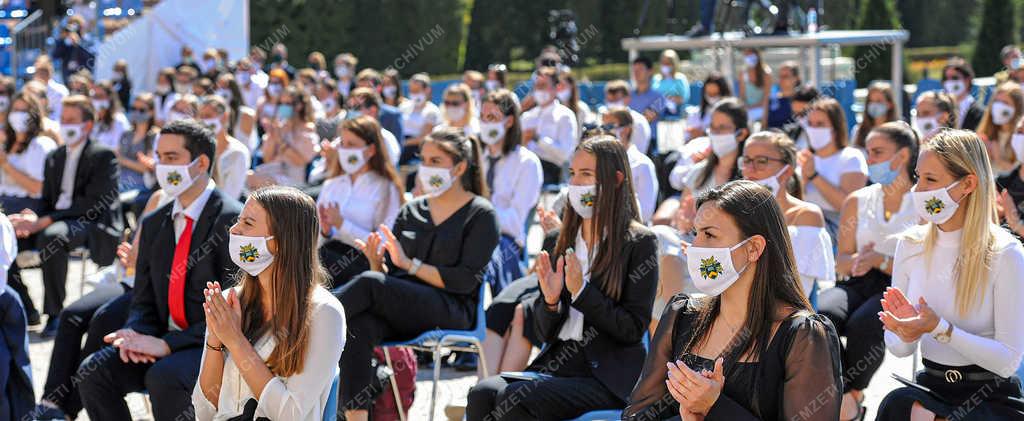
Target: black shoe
x=46, y=413
x=34, y=319
x=697, y=30
x=466, y=361
x=50, y=330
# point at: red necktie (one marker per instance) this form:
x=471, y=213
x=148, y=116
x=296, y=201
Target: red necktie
x=176, y=288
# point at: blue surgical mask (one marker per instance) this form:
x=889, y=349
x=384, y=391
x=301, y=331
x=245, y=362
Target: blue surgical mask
x=284, y=111
x=882, y=173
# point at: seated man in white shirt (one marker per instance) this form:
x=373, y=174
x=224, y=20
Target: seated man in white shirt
x=645, y=179
x=550, y=129
x=616, y=94
x=364, y=101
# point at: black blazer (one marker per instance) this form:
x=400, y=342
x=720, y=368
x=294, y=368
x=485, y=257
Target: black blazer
x=208, y=261
x=615, y=352
x=974, y=115
x=95, y=198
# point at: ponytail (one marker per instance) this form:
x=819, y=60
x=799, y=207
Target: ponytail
x=463, y=148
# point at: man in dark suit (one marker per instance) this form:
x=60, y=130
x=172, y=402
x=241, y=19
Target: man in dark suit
x=81, y=206
x=183, y=245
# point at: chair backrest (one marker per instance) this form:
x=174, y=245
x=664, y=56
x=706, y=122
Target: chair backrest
x=481, y=309
x=331, y=409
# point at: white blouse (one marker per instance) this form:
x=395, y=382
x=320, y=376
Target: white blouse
x=572, y=328
x=992, y=335
x=31, y=162
x=871, y=224
x=370, y=201
x=517, y=181
x=232, y=166
x=645, y=181
x=812, y=248
x=8, y=249
x=110, y=136
x=557, y=132
x=413, y=120
x=832, y=168
x=302, y=396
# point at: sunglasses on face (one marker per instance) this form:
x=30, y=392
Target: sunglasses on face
x=453, y=103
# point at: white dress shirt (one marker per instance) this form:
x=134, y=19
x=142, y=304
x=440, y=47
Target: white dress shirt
x=232, y=166
x=390, y=142
x=55, y=94
x=31, y=162
x=572, y=329
x=251, y=94
x=557, y=132
x=517, y=181
x=413, y=119
x=370, y=201
x=812, y=247
x=67, y=179
x=991, y=335
x=300, y=397
x=645, y=181
x=8, y=249
x=964, y=105
x=193, y=211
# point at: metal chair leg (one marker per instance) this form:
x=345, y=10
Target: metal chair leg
x=437, y=377
x=394, y=385
x=483, y=359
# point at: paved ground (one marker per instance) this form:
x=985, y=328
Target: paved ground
x=453, y=386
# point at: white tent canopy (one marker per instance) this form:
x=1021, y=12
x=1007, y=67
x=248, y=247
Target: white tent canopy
x=155, y=40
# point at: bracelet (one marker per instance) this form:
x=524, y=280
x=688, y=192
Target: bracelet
x=220, y=348
x=812, y=176
x=416, y=263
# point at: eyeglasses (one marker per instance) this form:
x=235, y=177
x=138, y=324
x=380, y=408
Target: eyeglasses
x=610, y=126
x=453, y=103
x=758, y=162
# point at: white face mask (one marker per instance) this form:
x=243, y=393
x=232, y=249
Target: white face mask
x=1002, y=113
x=925, y=125
x=351, y=159
x=163, y=89
x=819, y=137
x=329, y=103
x=101, y=104
x=214, y=125
x=72, y=133
x=582, y=199
x=455, y=113
x=434, y=180
x=614, y=104
x=723, y=144
x=491, y=84
x=491, y=133
x=542, y=97
x=954, y=87
x=750, y=60
x=342, y=71
x=389, y=91
x=711, y=268
x=772, y=183
x=564, y=95
x=935, y=206
x=418, y=99
x=274, y=89
x=251, y=254
x=666, y=70
x=1017, y=143
x=18, y=121
x=174, y=179
x=711, y=100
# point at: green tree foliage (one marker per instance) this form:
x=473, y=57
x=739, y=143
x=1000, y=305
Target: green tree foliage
x=874, y=61
x=998, y=28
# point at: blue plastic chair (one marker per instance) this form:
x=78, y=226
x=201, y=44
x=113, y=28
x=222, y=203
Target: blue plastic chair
x=331, y=409
x=436, y=339
x=602, y=415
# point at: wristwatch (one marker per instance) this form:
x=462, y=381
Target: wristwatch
x=812, y=176
x=415, y=267
x=944, y=336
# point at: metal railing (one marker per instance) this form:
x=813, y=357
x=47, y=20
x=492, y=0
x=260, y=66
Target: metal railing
x=28, y=40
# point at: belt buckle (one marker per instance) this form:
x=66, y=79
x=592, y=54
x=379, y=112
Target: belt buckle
x=954, y=376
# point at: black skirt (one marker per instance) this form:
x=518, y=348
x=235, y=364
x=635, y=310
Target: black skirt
x=502, y=309
x=997, y=399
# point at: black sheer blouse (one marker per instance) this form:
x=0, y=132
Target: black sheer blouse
x=798, y=378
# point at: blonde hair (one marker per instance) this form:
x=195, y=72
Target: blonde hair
x=991, y=131
x=462, y=90
x=963, y=153
x=671, y=55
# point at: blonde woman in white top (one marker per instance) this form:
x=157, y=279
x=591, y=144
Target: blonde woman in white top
x=273, y=342
x=233, y=158
x=458, y=110
x=362, y=192
x=873, y=218
x=957, y=292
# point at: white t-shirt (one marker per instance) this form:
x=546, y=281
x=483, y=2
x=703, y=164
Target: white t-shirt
x=645, y=181
x=832, y=168
x=413, y=120
x=31, y=162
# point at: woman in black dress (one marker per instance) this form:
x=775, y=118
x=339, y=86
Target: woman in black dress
x=753, y=349
x=436, y=255
x=597, y=290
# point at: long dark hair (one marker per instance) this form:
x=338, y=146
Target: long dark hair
x=867, y=122
x=615, y=211
x=35, y=115
x=115, y=103
x=296, y=273
x=574, y=95
x=367, y=128
x=506, y=101
x=733, y=108
x=461, y=148
x=717, y=79
x=236, y=99
x=776, y=280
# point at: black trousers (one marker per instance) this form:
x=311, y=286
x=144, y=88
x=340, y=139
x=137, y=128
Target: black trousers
x=105, y=380
x=342, y=261
x=54, y=243
x=558, y=398
x=93, y=316
x=379, y=308
x=853, y=308
x=16, y=393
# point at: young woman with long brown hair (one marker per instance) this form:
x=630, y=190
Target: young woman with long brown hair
x=272, y=341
